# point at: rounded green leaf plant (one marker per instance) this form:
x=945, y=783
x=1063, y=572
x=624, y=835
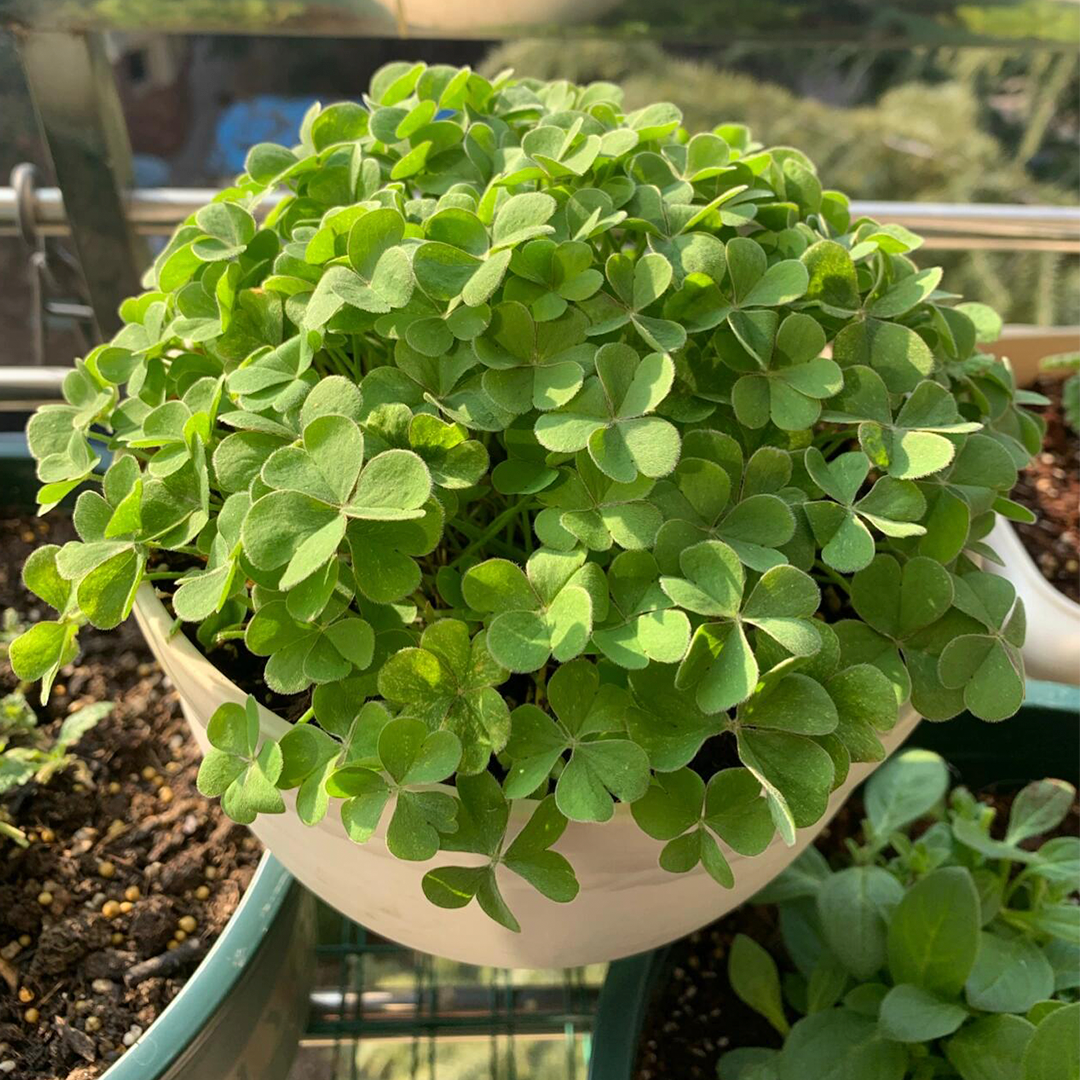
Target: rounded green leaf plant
x=932, y=948
x=544, y=451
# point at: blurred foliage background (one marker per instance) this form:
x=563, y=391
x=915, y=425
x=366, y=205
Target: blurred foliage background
x=927, y=123
x=945, y=124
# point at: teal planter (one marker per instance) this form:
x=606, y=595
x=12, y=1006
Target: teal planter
x=241, y=1015
x=1043, y=739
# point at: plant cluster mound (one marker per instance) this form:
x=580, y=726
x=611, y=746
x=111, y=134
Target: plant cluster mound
x=529, y=440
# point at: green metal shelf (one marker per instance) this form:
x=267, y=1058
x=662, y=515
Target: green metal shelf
x=382, y=1010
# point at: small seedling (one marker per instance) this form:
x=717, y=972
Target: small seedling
x=27, y=754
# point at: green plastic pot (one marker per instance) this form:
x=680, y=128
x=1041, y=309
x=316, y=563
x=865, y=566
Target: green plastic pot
x=241, y=1014
x=1043, y=739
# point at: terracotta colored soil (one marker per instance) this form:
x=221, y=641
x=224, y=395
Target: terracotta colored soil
x=1050, y=488
x=140, y=813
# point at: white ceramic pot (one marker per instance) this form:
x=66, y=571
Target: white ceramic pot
x=1052, y=646
x=495, y=17
x=626, y=904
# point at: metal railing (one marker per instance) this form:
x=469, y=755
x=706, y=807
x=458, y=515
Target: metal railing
x=956, y=226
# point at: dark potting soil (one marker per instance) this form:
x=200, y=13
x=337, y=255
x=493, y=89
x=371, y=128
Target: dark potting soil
x=694, y=1017
x=1050, y=488
x=137, y=824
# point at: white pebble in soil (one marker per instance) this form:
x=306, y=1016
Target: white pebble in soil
x=7, y=1066
x=131, y=1035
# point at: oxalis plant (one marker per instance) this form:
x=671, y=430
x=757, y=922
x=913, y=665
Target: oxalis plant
x=538, y=446
x=937, y=951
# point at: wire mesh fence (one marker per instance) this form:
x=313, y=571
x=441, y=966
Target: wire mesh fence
x=380, y=1011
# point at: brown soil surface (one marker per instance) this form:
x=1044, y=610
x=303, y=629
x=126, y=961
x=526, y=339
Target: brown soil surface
x=136, y=809
x=694, y=1017
x=1050, y=488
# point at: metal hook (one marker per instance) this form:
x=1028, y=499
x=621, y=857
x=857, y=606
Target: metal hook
x=44, y=284
x=23, y=184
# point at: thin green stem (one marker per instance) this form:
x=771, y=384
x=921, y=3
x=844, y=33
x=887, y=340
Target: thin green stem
x=837, y=579
x=493, y=529
x=526, y=531
x=228, y=635
x=164, y=575
x=307, y=716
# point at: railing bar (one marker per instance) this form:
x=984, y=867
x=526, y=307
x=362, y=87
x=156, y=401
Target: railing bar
x=152, y=210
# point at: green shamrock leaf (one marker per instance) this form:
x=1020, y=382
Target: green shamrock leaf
x=755, y=289
x=899, y=600
x=57, y=437
x=447, y=383
x=913, y=445
x=172, y=426
x=48, y=645
x=384, y=553
x=525, y=470
x=278, y=379
x=522, y=218
x=892, y=506
x=586, y=506
x=702, y=158
x=236, y=768
x=907, y=619
x=483, y=814
x=588, y=213
x=987, y=666
x=323, y=649
x=558, y=153
x=611, y=416
x=227, y=229
x=666, y=721
x=459, y=263
x=602, y=765
x=201, y=593
x=548, y=276
x=720, y=662
x=378, y=278
x=780, y=728
x=637, y=285
x=449, y=683
x=547, y=610
x=106, y=572
x=309, y=756
x=689, y=814
x=896, y=352
x=320, y=485
x=697, y=502
x=643, y=625
x=533, y=365
x=453, y=459
x=789, y=390
x=411, y=755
